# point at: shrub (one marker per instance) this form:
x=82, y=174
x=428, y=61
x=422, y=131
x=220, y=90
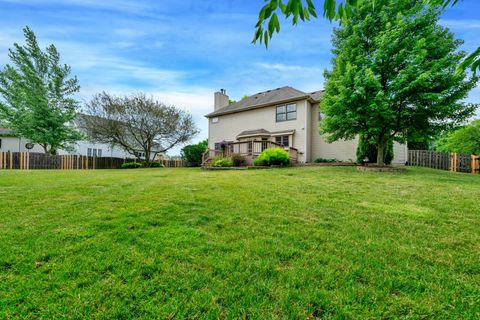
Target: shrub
x=192, y=154
x=238, y=160
x=322, y=160
x=220, y=161
x=156, y=165
x=273, y=157
x=131, y=165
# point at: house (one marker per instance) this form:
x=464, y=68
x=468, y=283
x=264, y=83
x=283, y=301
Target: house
x=9, y=141
x=13, y=143
x=284, y=117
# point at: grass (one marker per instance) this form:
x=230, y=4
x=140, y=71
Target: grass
x=298, y=243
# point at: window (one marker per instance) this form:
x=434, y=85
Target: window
x=92, y=152
x=283, y=140
x=287, y=112
x=321, y=115
x=214, y=120
x=217, y=146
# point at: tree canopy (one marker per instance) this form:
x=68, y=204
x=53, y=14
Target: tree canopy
x=192, y=153
x=36, y=91
x=299, y=10
x=137, y=124
x=463, y=140
x=394, y=76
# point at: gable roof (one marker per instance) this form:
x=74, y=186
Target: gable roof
x=265, y=98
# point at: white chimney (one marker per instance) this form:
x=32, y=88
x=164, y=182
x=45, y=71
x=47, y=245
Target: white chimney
x=221, y=99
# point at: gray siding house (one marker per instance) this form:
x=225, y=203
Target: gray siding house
x=283, y=116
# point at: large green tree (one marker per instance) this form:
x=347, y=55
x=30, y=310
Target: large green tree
x=192, y=153
x=394, y=76
x=340, y=10
x=463, y=140
x=36, y=96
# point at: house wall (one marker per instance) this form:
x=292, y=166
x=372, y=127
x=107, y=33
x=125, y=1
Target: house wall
x=230, y=125
x=15, y=144
x=344, y=150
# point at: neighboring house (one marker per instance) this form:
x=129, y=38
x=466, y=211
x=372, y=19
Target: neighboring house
x=285, y=116
x=11, y=142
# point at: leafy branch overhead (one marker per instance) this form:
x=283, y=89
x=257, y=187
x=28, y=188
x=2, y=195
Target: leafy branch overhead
x=334, y=10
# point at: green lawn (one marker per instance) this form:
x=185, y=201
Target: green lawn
x=295, y=243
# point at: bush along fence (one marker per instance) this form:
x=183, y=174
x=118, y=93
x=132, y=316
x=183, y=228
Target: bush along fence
x=455, y=162
x=30, y=160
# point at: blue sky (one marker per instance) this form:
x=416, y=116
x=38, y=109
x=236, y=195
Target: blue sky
x=180, y=52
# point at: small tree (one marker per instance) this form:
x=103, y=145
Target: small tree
x=37, y=96
x=192, y=154
x=137, y=123
x=462, y=140
x=394, y=76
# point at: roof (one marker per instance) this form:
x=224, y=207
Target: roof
x=263, y=132
x=265, y=98
x=253, y=132
x=6, y=131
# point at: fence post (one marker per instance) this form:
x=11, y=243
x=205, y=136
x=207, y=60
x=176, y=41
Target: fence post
x=475, y=164
x=453, y=162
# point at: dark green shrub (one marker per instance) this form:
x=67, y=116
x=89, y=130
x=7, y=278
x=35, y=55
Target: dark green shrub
x=273, y=157
x=156, y=165
x=192, y=154
x=131, y=165
x=365, y=149
x=322, y=160
x=238, y=160
x=220, y=161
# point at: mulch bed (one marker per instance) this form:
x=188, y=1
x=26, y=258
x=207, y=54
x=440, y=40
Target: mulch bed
x=374, y=168
x=235, y=168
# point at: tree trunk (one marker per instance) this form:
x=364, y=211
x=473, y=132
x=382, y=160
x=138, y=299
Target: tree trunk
x=147, y=158
x=380, y=154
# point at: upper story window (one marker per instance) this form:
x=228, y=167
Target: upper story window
x=215, y=120
x=321, y=115
x=286, y=112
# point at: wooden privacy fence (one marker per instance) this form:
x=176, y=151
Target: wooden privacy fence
x=30, y=160
x=173, y=163
x=455, y=162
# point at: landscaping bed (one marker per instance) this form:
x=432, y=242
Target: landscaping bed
x=235, y=168
x=376, y=168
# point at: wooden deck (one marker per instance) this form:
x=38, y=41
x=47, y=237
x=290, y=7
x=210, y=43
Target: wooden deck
x=248, y=149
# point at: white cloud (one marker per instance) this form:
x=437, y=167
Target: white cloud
x=461, y=24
